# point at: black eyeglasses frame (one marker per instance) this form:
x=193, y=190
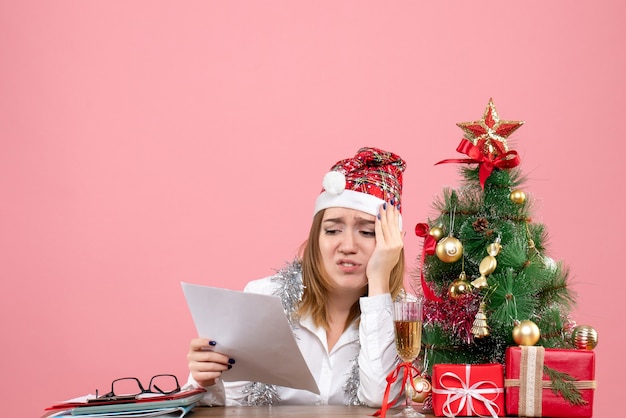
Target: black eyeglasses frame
x=152, y=388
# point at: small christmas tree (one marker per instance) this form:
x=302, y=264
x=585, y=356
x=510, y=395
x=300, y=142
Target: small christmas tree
x=484, y=272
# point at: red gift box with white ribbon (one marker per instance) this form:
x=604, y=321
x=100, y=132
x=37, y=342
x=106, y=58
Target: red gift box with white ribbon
x=530, y=391
x=468, y=390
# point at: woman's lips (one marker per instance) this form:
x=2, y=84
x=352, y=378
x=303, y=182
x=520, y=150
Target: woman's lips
x=348, y=266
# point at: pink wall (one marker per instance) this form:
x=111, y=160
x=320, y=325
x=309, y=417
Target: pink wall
x=148, y=142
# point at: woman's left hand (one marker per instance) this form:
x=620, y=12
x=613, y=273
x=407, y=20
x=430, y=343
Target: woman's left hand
x=389, y=244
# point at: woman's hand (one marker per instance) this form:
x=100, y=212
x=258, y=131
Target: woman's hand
x=389, y=244
x=205, y=364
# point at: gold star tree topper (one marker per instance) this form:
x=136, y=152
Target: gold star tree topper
x=490, y=133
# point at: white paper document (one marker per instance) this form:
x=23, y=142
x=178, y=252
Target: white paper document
x=253, y=330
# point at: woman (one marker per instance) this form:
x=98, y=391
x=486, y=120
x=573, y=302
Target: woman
x=338, y=297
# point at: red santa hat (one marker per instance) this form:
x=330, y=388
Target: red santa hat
x=363, y=182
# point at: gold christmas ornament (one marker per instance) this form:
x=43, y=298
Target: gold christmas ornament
x=422, y=389
x=518, y=196
x=480, y=282
x=486, y=267
x=480, y=328
x=460, y=287
x=526, y=333
x=436, y=232
x=532, y=250
x=585, y=337
x=494, y=248
x=449, y=249
x=488, y=264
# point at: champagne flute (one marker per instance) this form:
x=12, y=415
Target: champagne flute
x=407, y=320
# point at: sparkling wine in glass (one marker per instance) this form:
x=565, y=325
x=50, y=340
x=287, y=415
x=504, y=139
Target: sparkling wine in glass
x=407, y=320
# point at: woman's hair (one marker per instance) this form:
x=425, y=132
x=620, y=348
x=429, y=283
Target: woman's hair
x=317, y=284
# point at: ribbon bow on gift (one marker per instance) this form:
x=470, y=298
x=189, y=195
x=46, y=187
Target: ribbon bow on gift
x=487, y=162
x=467, y=394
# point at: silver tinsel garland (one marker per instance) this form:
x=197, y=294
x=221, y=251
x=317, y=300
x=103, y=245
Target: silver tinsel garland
x=290, y=291
x=352, y=384
x=260, y=394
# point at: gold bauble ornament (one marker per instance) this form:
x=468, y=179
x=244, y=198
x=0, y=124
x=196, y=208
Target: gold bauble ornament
x=449, y=249
x=460, y=287
x=422, y=389
x=436, y=232
x=585, y=337
x=518, y=196
x=526, y=333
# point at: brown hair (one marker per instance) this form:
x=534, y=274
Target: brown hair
x=317, y=284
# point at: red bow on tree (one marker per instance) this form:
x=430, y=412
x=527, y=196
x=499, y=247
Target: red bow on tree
x=487, y=162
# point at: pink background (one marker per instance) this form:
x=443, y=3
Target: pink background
x=146, y=143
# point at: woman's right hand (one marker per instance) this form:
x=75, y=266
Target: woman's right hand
x=205, y=364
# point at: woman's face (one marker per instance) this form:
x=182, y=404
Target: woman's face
x=347, y=240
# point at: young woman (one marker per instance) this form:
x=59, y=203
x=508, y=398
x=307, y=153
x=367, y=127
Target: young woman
x=338, y=295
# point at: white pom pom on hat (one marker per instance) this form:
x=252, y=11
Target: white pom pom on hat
x=334, y=182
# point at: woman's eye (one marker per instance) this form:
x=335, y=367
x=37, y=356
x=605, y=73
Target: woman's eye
x=368, y=233
x=331, y=231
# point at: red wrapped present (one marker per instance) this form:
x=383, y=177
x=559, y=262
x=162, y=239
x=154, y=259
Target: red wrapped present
x=534, y=376
x=468, y=390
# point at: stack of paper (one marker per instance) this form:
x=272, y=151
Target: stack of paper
x=176, y=405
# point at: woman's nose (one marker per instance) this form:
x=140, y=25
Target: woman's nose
x=348, y=244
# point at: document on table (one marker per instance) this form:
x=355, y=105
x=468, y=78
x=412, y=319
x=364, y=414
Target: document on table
x=252, y=329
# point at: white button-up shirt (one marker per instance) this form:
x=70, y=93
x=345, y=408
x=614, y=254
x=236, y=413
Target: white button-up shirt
x=372, y=341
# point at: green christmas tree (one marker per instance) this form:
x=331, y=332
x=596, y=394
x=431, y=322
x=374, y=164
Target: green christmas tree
x=484, y=272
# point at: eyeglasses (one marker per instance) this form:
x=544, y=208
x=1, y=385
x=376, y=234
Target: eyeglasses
x=128, y=388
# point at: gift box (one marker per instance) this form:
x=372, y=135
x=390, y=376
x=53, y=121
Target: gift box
x=468, y=390
x=534, y=375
